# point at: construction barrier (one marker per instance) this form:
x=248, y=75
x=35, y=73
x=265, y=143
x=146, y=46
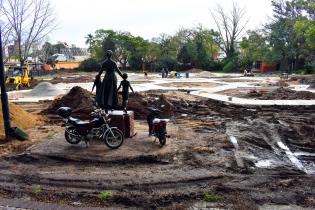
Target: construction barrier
x=66, y=65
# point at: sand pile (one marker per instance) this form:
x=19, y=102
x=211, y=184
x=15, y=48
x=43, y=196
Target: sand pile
x=80, y=100
x=44, y=89
x=281, y=94
x=19, y=118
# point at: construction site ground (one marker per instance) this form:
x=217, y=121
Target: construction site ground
x=220, y=154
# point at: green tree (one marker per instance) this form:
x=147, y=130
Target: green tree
x=291, y=49
x=256, y=47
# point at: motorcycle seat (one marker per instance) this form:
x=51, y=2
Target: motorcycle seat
x=157, y=120
x=78, y=123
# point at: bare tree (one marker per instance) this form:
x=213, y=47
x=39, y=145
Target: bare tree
x=230, y=25
x=30, y=20
x=6, y=32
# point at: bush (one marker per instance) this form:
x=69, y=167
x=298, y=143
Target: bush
x=211, y=197
x=230, y=64
x=37, y=190
x=310, y=67
x=105, y=195
x=90, y=64
x=229, y=67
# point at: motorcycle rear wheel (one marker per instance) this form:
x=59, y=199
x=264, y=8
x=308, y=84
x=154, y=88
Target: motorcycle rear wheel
x=114, y=142
x=71, y=135
x=162, y=140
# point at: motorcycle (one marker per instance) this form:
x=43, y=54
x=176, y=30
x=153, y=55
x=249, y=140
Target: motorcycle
x=157, y=126
x=98, y=129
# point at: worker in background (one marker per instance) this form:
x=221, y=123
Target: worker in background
x=145, y=75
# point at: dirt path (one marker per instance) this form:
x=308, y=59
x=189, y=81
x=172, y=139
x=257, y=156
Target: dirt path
x=199, y=158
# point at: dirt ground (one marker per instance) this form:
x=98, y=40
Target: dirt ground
x=270, y=94
x=199, y=164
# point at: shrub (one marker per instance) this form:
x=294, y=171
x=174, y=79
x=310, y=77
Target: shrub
x=105, y=195
x=230, y=64
x=229, y=67
x=37, y=190
x=211, y=197
x=90, y=64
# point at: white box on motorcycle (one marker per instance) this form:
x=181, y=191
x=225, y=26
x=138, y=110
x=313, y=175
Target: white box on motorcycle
x=124, y=122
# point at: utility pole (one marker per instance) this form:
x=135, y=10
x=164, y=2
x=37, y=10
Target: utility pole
x=4, y=96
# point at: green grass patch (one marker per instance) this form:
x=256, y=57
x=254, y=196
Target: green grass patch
x=105, y=195
x=37, y=190
x=211, y=197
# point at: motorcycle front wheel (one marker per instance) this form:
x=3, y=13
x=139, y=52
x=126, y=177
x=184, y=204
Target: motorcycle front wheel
x=72, y=136
x=114, y=138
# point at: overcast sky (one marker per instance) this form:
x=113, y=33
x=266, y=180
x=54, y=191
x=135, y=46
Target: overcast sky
x=146, y=18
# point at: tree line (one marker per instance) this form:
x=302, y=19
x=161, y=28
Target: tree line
x=287, y=41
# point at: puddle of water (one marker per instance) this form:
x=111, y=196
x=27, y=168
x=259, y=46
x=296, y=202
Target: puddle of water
x=264, y=164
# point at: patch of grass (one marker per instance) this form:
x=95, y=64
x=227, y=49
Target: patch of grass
x=37, y=190
x=211, y=197
x=51, y=135
x=105, y=195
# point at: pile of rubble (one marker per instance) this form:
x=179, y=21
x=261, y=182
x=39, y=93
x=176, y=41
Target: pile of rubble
x=80, y=100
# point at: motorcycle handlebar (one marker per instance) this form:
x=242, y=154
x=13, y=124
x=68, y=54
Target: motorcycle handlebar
x=98, y=113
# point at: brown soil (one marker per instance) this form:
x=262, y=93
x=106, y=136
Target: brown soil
x=80, y=100
x=73, y=79
x=311, y=82
x=140, y=102
x=19, y=118
x=281, y=94
x=307, y=79
x=198, y=158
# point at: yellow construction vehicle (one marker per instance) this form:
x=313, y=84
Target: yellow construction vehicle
x=20, y=78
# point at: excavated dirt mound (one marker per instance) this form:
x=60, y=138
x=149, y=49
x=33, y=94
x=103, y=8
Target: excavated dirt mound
x=281, y=94
x=19, y=118
x=139, y=103
x=80, y=100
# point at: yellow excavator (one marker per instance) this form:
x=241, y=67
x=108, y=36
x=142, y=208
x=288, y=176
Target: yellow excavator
x=20, y=78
